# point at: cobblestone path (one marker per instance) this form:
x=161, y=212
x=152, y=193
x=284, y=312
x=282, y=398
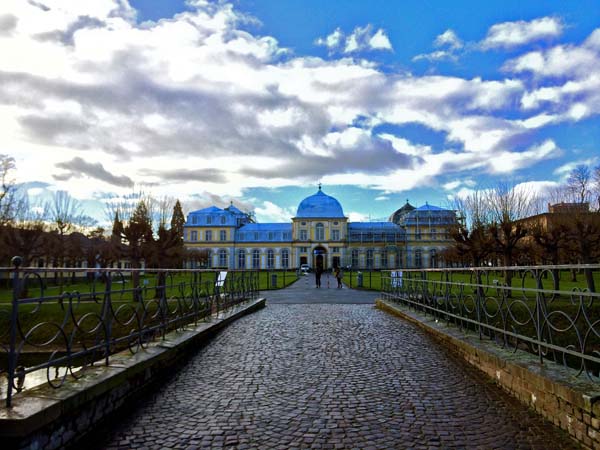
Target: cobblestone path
x=330, y=376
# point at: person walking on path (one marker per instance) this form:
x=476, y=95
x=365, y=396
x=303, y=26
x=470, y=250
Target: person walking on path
x=338, y=277
x=318, y=273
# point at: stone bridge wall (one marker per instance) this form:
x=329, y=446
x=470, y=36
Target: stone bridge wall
x=572, y=403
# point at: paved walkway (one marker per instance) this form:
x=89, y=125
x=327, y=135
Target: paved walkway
x=304, y=291
x=333, y=376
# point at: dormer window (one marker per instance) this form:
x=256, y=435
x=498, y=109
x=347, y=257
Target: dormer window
x=208, y=220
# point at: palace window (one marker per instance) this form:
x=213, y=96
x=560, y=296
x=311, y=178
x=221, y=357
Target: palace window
x=223, y=219
x=194, y=236
x=433, y=259
x=384, y=258
x=418, y=258
x=194, y=220
x=335, y=249
x=354, y=258
x=256, y=259
x=256, y=236
x=223, y=235
x=208, y=235
x=335, y=235
x=320, y=232
x=222, y=258
x=241, y=259
x=285, y=258
x=370, y=259
x=208, y=220
x=270, y=259
x=270, y=236
x=303, y=235
x=433, y=233
x=303, y=249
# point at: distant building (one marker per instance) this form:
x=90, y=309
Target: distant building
x=569, y=208
x=320, y=235
x=556, y=215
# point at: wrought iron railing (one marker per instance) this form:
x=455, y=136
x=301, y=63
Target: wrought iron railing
x=550, y=311
x=62, y=320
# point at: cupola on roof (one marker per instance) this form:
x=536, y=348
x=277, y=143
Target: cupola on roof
x=320, y=205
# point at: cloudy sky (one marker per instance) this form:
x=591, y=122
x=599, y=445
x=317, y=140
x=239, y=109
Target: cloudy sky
x=256, y=101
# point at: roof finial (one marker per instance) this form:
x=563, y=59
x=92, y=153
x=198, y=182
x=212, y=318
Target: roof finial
x=407, y=201
x=319, y=185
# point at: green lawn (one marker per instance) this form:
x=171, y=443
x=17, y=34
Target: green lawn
x=122, y=287
x=82, y=301
x=372, y=280
x=284, y=278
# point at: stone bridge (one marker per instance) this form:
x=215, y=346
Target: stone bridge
x=323, y=368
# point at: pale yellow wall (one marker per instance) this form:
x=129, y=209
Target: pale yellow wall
x=310, y=227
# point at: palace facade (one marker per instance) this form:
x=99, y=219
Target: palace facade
x=320, y=235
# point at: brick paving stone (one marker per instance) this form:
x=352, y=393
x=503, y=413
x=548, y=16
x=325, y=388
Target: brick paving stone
x=331, y=376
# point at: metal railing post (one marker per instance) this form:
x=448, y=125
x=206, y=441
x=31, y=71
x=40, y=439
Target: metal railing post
x=161, y=276
x=14, y=315
x=107, y=315
x=538, y=315
x=478, y=300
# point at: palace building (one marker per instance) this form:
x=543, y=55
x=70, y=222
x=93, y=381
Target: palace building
x=320, y=235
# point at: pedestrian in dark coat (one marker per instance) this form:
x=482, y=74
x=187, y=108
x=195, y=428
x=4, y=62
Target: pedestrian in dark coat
x=338, y=277
x=318, y=273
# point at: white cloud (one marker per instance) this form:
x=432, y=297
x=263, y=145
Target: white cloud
x=508, y=162
x=513, y=34
x=380, y=41
x=332, y=41
x=357, y=217
x=448, y=39
x=270, y=212
x=438, y=55
x=360, y=40
x=535, y=189
x=194, y=104
x=559, y=61
x=567, y=82
x=450, y=186
x=565, y=169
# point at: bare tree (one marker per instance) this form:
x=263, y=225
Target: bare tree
x=65, y=212
x=12, y=202
x=471, y=235
x=164, y=207
x=596, y=187
x=578, y=183
x=509, y=204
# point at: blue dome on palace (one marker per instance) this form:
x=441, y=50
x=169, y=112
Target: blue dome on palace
x=320, y=205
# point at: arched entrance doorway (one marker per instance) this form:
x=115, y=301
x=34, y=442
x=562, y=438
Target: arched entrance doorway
x=320, y=258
